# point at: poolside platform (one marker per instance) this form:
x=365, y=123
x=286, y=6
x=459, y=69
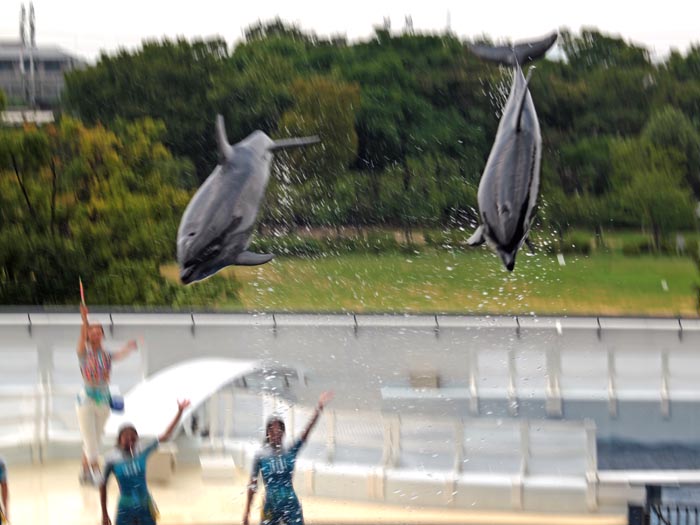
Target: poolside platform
x=49, y=494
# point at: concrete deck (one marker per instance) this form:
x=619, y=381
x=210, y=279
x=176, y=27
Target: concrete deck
x=50, y=494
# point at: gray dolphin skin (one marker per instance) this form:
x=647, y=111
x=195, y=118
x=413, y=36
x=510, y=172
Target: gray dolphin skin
x=511, y=179
x=216, y=227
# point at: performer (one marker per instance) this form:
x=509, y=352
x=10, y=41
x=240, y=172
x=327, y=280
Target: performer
x=128, y=463
x=277, y=466
x=4, y=494
x=94, y=399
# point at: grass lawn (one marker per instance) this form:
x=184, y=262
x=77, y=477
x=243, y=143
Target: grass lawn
x=469, y=282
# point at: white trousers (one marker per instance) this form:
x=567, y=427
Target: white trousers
x=91, y=419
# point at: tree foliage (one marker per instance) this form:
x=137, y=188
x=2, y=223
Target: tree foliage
x=407, y=122
x=86, y=201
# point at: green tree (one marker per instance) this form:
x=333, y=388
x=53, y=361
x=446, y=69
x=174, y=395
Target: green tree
x=74, y=204
x=650, y=187
x=672, y=130
x=592, y=49
x=326, y=107
x=167, y=80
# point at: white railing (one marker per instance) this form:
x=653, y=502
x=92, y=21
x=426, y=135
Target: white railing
x=379, y=451
x=375, y=361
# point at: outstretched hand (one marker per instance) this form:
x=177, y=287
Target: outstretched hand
x=182, y=405
x=325, y=398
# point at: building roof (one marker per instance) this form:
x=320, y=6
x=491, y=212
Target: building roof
x=10, y=49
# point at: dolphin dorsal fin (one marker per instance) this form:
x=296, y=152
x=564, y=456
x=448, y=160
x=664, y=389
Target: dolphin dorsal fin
x=224, y=148
x=522, y=100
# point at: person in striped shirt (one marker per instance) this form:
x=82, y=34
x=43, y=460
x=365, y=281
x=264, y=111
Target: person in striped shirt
x=93, y=405
x=4, y=493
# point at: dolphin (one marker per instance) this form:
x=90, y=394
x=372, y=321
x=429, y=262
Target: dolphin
x=510, y=183
x=217, y=224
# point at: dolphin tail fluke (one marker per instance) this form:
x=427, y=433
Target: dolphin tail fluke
x=223, y=146
x=295, y=142
x=499, y=54
x=252, y=259
x=477, y=238
x=531, y=51
x=520, y=53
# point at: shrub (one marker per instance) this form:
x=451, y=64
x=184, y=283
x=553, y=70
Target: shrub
x=574, y=242
x=446, y=239
x=638, y=247
x=381, y=243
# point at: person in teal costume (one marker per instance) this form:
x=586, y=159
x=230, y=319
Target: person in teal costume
x=128, y=464
x=276, y=465
x=4, y=493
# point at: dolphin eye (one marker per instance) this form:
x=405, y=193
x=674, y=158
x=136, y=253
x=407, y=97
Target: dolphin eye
x=192, y=234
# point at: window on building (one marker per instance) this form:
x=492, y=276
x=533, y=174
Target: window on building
x=53, y=65
x=6, y=65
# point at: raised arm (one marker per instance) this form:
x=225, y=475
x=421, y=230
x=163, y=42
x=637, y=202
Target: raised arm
x=124, y=351
x=323, y=400
x=181, y=406
x=83, y=330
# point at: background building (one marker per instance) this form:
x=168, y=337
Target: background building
x=46, y=84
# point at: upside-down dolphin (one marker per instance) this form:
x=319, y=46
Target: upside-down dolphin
x=511, y=179
x=216, y=227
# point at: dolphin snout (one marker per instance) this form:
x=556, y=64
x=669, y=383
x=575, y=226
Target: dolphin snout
x=508, y=261
x=186, y=274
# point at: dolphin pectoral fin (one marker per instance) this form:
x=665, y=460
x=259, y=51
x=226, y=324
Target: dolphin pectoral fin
x=295, y=142
x=252, y=259
x=224, y=148
x=523, y=99
x=477, y=239
x=529, y=245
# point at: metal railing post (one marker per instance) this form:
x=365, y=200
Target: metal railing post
x=612, y=390
x=391, y=449
x=228, y=415
x=214, y=423
x=473, y=382
x=665, y=395
x=330, y=435
x=512, y=389
x=553, y=402
x=591, y=465
x=459, y=446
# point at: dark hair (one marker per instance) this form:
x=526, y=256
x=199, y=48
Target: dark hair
x=272, y=421
x=124, y=428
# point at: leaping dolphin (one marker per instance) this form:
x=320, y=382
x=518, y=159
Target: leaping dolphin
x=216, y=227
x=511, y=179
